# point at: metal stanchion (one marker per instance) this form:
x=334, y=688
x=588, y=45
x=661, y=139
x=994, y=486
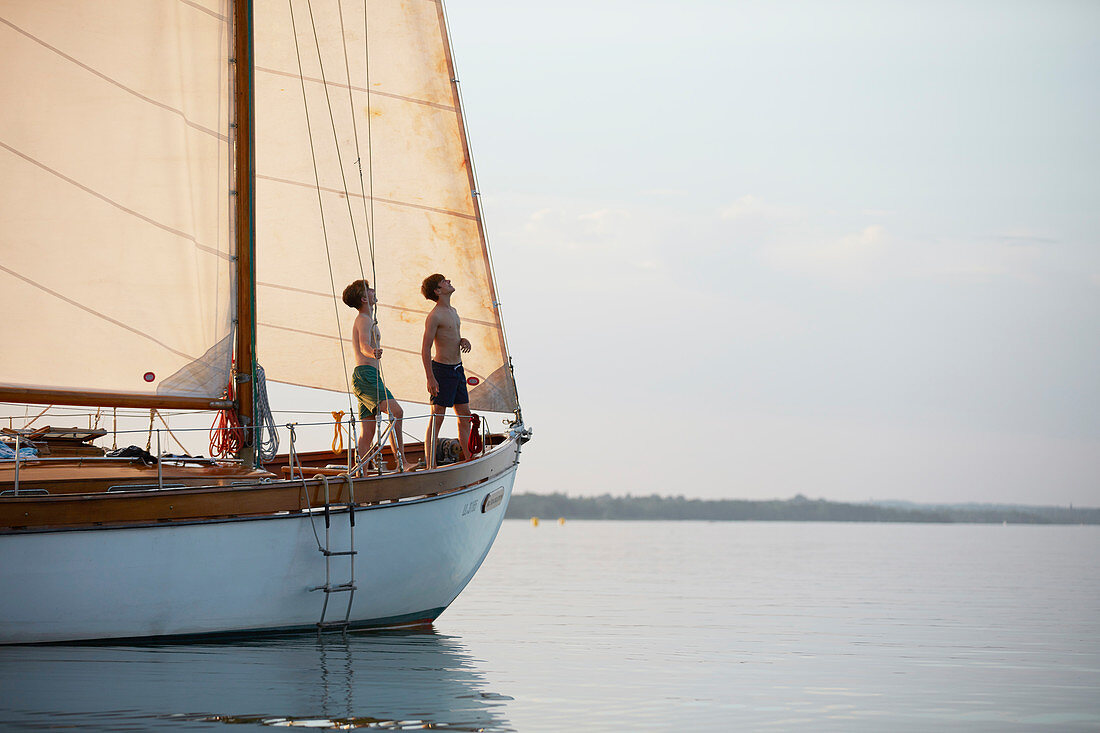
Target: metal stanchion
x=17, y=441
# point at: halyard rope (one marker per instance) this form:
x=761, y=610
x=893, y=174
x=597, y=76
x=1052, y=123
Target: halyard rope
x=479, y=204
x=317, y=183
x=336, y=142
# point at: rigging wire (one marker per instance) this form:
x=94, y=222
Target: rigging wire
x=30, y=422
x=169, y=431
x=332, y=117
x=479, y=206
x=367, y=219
x=371, y=238
x=316, y=175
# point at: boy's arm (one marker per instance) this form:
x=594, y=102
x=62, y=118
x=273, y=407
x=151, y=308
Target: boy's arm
x=430, y=326
x=366, y=339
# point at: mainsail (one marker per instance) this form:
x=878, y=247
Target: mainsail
x=117, y=254
x=360, y=146
x=115, y=249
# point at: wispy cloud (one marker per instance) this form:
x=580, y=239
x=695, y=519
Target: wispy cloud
x=754, y=207
x=671, y=193
x=847, y=257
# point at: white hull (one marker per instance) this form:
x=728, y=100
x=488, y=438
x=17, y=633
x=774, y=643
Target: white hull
x=246, y=575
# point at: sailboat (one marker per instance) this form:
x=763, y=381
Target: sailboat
x=188, y=184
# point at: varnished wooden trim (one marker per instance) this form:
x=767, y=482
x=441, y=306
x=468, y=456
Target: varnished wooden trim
x=25, y=395
x=255, y=499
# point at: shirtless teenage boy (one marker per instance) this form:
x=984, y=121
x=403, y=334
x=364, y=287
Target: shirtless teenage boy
x=366, y=380
x=446, y=380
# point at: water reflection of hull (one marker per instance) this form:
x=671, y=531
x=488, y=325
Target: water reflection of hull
x=394, y=680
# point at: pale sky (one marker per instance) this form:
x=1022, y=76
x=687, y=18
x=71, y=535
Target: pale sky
x=754, y=249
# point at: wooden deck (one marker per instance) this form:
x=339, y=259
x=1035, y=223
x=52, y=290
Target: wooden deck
x=96, y=492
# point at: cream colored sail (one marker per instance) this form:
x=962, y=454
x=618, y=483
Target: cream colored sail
x=376, y=90
x=115, y=250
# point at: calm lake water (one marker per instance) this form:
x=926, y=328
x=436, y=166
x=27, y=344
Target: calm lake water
x=653, y=626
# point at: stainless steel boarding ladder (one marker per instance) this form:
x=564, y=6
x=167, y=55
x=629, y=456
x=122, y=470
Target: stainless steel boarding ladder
x=329, y=587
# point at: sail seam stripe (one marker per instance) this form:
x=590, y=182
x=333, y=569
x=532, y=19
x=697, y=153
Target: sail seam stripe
x=97, y=314
x=120, y=85
x=330, y=337
x=352, y=87
x=120, y=207
x=201, y=9
x=384, y=305
x=327, y=337
x=393, y=202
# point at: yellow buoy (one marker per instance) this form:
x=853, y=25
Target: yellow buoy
x=534, y=521
x=561, y=520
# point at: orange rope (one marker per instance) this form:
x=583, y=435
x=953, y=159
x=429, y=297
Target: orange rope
x=337, y=431
x=225, y=433
x=225, y=438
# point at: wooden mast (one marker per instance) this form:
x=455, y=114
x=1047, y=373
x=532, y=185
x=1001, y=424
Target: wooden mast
x=245, y=224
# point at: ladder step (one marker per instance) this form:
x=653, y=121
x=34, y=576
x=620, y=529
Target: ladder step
x=342, y=588
x=332, y=625
x=330, y=553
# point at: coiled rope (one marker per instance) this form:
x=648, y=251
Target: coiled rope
x=225, y=433
x=267, y=439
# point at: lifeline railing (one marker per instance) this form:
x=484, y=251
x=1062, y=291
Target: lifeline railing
x=398, y=451
x=354, y=467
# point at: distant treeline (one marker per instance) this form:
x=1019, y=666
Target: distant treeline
x=798, y=509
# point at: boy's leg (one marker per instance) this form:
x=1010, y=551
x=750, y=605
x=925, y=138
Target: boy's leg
x=366, y=435
x=435, y=422
x=463, y=412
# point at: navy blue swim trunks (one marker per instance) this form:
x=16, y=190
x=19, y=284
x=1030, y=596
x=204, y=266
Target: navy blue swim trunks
x=452, y=385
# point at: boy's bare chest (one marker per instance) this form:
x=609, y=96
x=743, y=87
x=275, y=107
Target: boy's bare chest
x=367, y=330
x=449, y=322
